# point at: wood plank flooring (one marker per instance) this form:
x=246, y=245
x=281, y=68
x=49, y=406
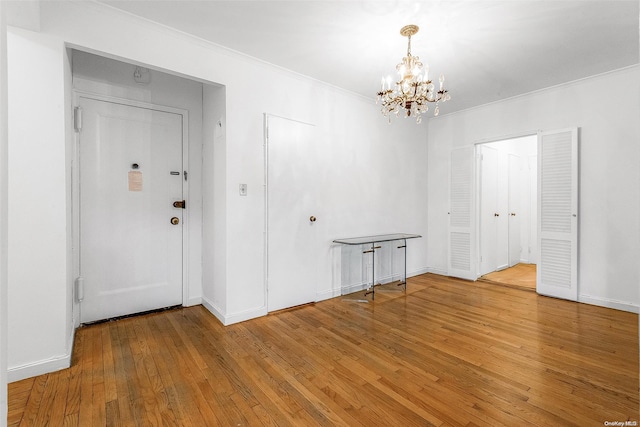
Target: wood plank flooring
x=448, y=353
x=520, y=276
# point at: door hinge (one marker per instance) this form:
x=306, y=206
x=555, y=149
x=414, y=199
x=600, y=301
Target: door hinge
x=80, y=289
x=77, y=119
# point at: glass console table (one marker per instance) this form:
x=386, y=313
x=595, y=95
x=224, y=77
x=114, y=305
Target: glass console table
x=386, y=271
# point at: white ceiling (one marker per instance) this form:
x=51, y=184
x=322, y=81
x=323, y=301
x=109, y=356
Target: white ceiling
x=487, y=50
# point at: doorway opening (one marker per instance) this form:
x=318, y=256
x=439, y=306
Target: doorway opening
x=142, y=107
x=507, y=211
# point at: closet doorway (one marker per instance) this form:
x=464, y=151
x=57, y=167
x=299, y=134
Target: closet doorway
x=507, y=211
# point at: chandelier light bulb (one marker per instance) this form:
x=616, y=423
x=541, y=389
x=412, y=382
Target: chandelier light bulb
x=413, y=91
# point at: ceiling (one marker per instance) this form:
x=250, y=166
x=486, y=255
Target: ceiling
x=487, y=50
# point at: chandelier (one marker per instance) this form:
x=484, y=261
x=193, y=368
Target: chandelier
x=414, y=91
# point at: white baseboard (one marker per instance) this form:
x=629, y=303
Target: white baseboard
x=230, y=319
x=193, y=301
x=327, y=294
x=356, y=287
x=437, y=271
x=609, y=303
x=418, y=272
x=40, y=367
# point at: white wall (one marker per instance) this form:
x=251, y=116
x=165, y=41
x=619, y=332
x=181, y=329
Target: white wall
x=609, y=208
x=38, y=193
x=3, y=217
x=368, y=162
x=366, y=153
x=214, y=184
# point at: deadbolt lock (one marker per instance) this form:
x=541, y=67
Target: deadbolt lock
x=180, y=204
x=175, y=220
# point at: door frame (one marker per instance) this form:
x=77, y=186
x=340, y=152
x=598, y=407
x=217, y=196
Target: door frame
x=75, y=189
x=478, y=189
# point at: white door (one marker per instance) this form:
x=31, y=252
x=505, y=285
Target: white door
x=462, y=251
x=558, y=214
x=130, y=175
x=293, y=215
x=489, y=213
x=514, y=214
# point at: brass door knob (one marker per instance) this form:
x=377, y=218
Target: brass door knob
x=312, y=218
x=175, y=220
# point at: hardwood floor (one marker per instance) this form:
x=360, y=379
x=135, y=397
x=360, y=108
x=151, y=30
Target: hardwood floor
x=520, y=276
x=449, y=353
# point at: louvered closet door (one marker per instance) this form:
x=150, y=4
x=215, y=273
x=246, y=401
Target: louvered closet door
x=558, y=214
x=462, y=253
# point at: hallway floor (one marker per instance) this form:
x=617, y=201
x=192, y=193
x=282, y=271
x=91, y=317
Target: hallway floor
x=522, y=276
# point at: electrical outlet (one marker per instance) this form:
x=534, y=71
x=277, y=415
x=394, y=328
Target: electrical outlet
x=243, y=189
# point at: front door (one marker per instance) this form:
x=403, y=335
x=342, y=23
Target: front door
x=130, y=175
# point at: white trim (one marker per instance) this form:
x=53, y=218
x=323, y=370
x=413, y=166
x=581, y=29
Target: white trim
x=265, y=149
x=192, y=301
x=75, y=190
x=419, y=271
x=609, y=303
x=438, y=271
x=328, y=294
x=236, y=317
x=199, y=41
x=508, y=137
x=39, y=368
x=42, y=367
x=4, y=285
x=213, y=309
x=129, y=102
x=537, y=91
x=356, y=287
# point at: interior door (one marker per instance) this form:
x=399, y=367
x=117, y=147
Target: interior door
x=462, y=250
x=293, y=215
x=557, y=273
x=514, y=201
x=130, y=232
x=489, y=213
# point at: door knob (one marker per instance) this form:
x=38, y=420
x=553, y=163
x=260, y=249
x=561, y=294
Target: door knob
x=312, y=218
x=175, y=220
